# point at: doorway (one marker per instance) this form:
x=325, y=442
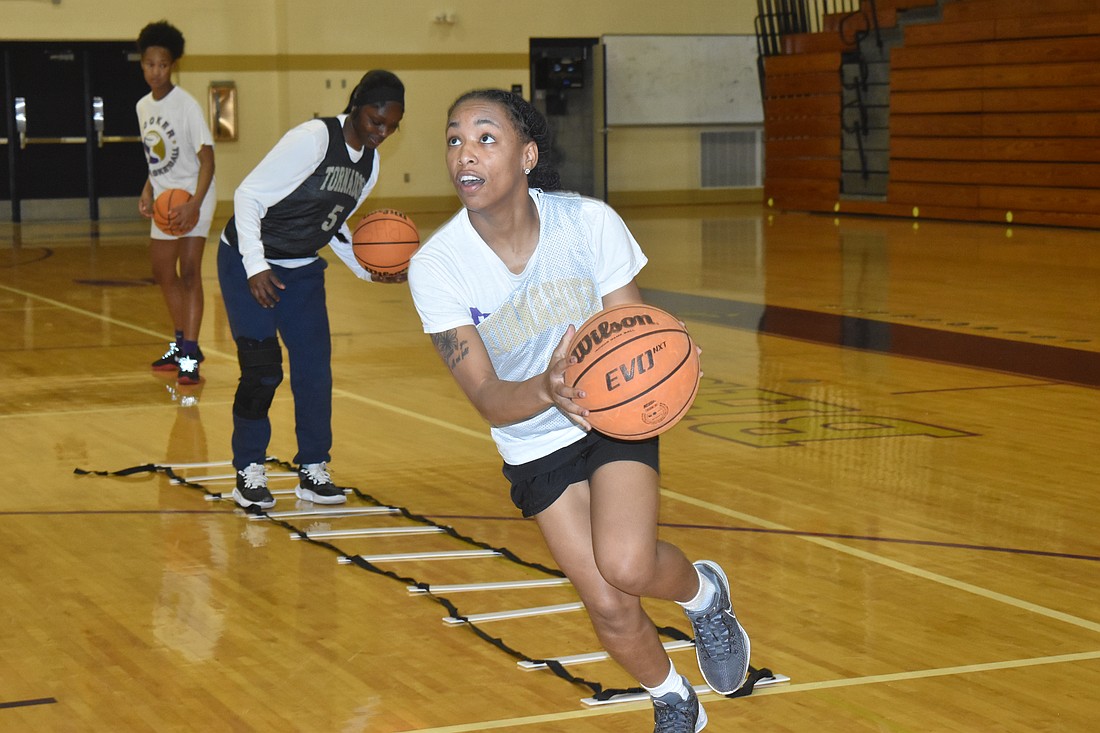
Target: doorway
x=567, y=87
x=70, y=136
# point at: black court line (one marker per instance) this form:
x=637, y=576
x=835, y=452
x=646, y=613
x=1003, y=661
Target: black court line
x=758, y=530
x=832, y=536
x=1041, y=361
x=28, y=703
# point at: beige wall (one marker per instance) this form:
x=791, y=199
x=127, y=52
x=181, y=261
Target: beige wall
x=292, y=59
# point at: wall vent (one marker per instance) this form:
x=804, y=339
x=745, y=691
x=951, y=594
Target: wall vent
x=731, y=159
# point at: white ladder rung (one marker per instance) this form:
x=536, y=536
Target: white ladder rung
x=670, y=646
x=500, y=585
x=290, y=492
x=210, y=464
x=228, y=496
x=345, y=512
x=373, y=532
x=226, y=477
x=519, y=613
x=700, y=690
x=403, y=556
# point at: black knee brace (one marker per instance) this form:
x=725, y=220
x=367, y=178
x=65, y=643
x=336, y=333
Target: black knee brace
x=261, y=372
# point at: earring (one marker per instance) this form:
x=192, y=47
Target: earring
x=526, y=171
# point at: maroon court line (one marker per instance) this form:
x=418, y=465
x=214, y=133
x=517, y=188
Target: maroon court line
x=28, y=703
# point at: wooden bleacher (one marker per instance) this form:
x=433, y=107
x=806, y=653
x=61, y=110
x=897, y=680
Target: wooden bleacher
x=994, y=116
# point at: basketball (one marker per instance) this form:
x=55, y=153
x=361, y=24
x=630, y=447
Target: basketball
x=169, y=199
x=639, y=369
x=384, y=240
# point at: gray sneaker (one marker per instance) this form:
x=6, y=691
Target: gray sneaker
x=252, y=487
x=315, y=484
x=721, y=645
x=673, y=714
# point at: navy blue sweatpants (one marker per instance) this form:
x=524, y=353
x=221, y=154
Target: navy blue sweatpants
x=300, y=318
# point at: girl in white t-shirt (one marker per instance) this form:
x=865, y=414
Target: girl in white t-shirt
x=179, y=149
x=501, y=288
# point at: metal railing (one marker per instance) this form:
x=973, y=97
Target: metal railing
x=776, y=19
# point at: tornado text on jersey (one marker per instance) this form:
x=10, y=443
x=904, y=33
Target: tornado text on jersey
x=343, y=180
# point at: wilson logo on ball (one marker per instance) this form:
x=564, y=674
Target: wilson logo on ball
x=638, y=368
x=591, y=338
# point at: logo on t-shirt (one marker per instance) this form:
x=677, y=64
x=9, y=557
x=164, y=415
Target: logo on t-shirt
x=158, y=138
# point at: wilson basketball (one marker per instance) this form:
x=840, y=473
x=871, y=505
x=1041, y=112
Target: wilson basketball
x=384, y=240
x=639, y=369
x=169, y=199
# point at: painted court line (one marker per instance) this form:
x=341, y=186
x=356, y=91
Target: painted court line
x=823, y=542
x=481, y=435
x=894, y=564
x=830, y=544
x=93, y=315
x=777, y=690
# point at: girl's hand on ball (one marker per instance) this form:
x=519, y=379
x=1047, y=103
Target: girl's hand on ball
x=561, y=394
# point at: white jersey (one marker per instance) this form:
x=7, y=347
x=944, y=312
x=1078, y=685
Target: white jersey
x=173, y=130
x=584, y=252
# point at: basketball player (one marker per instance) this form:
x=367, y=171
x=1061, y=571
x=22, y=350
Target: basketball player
x=500, y=288
x=180, y=152
x=290, y=206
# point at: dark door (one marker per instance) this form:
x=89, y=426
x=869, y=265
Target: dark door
x=116, y=81
x=76, y=134
x=7, y=125
x=48, y=82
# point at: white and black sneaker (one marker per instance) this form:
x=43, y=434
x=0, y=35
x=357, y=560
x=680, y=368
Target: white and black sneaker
x=315, y=484
x=188, y=370
x=170, y=361
x=252, y=487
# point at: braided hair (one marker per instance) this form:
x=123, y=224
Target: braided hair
x=529, y=124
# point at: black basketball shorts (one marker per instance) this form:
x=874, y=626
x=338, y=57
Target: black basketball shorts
x=537, y=484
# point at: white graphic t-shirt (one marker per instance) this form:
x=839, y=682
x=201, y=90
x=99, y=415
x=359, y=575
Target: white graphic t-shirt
x=173, y=130
x=585, y=251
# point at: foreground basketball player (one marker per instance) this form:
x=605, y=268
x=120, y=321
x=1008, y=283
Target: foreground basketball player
x=180, y=152
x=290, y=206
x=500, y=288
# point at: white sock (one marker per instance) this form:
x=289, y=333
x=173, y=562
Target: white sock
x=673, y=683
x=703, y=598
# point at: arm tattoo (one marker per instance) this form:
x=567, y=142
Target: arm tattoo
x=450, y=348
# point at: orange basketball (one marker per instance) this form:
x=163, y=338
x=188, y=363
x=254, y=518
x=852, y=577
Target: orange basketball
x=384, y=241
x=639, y=369
x=169, y=199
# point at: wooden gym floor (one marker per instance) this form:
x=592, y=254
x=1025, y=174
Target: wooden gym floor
x=894, y=455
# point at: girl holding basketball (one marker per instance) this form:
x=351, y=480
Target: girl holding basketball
x=180, y=152
x=286, y=210
x=500, y=288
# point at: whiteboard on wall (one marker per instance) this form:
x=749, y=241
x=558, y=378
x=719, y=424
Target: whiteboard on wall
x=682, y=80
